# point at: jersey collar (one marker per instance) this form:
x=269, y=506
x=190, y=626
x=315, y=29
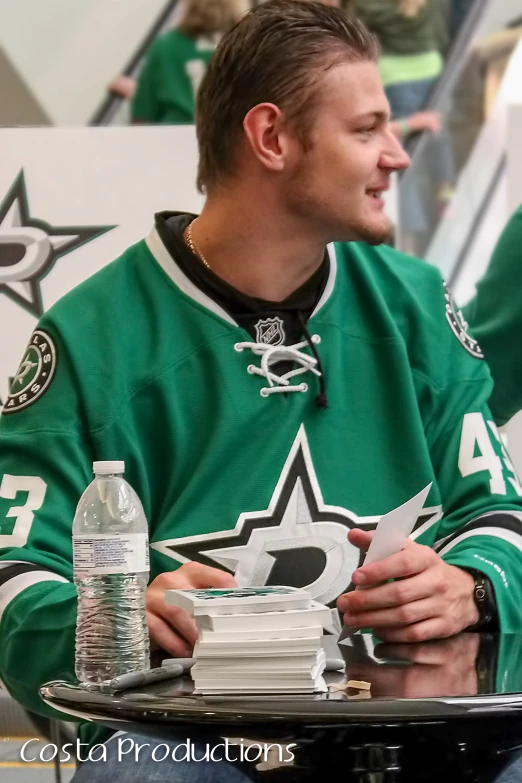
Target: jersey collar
x=171, y=268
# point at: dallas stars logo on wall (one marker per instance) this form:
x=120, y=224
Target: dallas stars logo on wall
x=297, y=541
x=29, y=248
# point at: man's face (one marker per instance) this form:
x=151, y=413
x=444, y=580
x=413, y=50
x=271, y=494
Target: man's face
x=337, y=183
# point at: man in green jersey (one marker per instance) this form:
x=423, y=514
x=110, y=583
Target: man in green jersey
x=274, y=377
x=176, y=62
x=495, y=315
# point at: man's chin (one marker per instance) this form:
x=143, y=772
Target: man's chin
x=375, y=233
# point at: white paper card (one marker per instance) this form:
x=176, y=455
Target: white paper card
x=393, y=528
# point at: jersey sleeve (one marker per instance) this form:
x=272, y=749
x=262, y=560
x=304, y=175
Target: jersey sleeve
x=145, y=105
x=480, y=492
x=495, y=318
x=44, y=468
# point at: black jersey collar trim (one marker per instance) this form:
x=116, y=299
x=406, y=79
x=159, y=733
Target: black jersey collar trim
x=179, y=278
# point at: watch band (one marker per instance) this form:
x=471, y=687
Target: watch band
x=484, y=598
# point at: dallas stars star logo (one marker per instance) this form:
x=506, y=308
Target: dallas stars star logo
x=29, y=248
x=298, y=540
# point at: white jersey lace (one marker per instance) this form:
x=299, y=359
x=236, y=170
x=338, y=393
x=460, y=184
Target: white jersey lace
x=271, y=354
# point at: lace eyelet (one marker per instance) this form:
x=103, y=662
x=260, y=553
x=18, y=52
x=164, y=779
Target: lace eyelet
x=316, y=339
x=238, y=347
x=251, y=369
x=264, y=392
x=303, y=387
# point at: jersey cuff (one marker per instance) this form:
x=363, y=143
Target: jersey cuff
x=17, y=576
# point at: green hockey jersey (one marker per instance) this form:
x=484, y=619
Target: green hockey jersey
x=139, y=364
x=495, y=316
x=169, y=81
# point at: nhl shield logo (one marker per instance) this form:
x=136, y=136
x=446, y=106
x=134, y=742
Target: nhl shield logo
x=270, y=331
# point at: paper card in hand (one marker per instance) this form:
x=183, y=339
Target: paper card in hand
x=395, y=527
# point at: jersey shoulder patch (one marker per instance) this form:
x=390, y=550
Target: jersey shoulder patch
x=35, y=373
x=459, y=327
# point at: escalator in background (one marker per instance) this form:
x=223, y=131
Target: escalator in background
x=57, y=57
x=114, y=109
x=481, y=84
x=456, y=177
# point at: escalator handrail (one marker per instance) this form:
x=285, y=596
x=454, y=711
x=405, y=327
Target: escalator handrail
x=111, y=103
x=476, y=223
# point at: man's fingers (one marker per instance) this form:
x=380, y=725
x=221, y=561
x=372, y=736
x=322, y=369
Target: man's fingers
x=388, y=595
x=360, y=538
x=166, y=638
x=413, y=612
x=179, y=620
x=205, y=576
x=173, y=629
x=413, y=559
x=193, y=576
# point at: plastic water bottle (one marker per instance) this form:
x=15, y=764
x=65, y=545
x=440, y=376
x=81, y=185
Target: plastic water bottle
x=111, y=568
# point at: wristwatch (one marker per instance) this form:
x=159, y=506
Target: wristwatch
x=484, y=597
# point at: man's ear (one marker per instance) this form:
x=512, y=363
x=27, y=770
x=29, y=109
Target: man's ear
x=267, y=135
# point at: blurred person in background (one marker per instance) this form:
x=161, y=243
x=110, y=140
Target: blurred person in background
x=411, y=122
x=410, y=61
x=166, y=90
x=495, y=318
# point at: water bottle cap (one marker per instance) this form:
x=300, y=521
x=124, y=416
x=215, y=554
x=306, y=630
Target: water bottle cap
x=106, y=468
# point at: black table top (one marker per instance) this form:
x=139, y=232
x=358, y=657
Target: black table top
x=470, y=676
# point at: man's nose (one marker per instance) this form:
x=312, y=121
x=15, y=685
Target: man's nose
x=394, y=157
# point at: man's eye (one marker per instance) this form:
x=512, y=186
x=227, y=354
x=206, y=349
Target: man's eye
x=367, y=131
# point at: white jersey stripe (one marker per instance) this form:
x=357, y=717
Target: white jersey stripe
x=329, y=287
x=13, y=587
x=495, y=532
x=169, y=266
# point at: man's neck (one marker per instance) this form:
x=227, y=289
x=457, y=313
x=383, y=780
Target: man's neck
x=254, y=247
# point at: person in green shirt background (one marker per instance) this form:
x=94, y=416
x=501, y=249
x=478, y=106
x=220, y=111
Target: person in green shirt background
x=410, y=34
x=495, y=319
x=177, y=60
x=410, y=60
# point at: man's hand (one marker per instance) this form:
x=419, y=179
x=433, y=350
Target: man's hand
x=425, y=121
x=122, y=86
x=429, y=599
x=173, y=629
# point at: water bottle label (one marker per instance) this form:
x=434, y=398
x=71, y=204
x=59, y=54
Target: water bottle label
x=100, y=554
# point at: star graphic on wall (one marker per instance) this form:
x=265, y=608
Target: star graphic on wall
x=29, y=248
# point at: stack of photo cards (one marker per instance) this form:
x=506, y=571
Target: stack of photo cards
x=255, y=639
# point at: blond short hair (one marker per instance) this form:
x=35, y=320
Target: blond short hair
x=207, y=17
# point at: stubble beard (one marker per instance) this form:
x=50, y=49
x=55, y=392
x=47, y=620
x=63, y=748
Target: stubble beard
x=373, y=235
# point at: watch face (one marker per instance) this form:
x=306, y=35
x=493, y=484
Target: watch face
x=480, y=592
x=484, y=599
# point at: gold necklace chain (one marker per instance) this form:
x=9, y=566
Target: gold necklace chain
x=194, y=247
